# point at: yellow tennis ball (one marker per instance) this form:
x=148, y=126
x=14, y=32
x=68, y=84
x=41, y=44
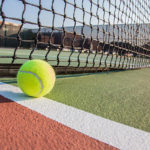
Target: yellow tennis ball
x=36, y=78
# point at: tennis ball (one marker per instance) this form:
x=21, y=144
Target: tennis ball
x=36, y=78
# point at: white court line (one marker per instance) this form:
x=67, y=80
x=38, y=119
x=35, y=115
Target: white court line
x=110, y=132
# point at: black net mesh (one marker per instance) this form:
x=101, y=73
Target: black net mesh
x=77, y=34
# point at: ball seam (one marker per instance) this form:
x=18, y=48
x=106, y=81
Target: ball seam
x=41, y=84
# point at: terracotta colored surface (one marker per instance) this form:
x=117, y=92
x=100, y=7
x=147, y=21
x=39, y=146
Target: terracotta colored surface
x=22, y=128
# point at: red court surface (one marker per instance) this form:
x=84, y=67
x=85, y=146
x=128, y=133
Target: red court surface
x=22, y=128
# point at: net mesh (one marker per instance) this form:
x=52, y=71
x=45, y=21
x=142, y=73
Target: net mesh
x=85, y=34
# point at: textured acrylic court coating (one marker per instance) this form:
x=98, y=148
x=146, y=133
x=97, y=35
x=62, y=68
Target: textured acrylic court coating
x=22, y=128
x=107, y=131
x=120, y=96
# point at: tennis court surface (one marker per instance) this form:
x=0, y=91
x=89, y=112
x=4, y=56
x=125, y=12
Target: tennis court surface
x=111, y=110
x=100, y=51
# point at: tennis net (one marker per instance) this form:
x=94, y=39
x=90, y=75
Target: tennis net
x=76, y=35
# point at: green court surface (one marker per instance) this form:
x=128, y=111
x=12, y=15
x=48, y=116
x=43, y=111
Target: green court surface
x=64, y=58
x=120, y=96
